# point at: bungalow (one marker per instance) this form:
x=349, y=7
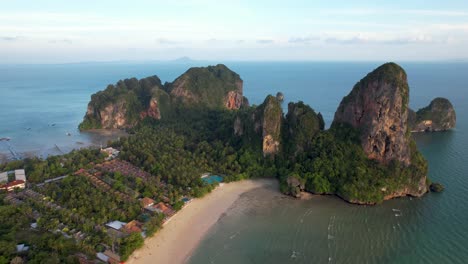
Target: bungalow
x=117, y=225
x=111, y=152
x=145, y=202
x=113, y=258
x=133, y=227
x=164, y=209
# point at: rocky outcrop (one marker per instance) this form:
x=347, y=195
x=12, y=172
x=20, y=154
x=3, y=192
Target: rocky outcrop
x=113, y=115
x=152, y=111
x=439, y=115
x=263, y=122
x=212, y=86
x=301, y=125
x=270, y=115
x=378, y=107
x=233, y=100
x=295, y=186
x=124, y=104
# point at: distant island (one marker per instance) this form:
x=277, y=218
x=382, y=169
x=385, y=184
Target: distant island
x=186, y=136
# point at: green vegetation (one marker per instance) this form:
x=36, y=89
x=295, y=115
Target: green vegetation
x=336, y=164
x=174, y=152
x=203, y=87
x=301, y=126
x=208, y=85
x=390, y=73
x=437, y=111
x=130, y=96
x=437, y=187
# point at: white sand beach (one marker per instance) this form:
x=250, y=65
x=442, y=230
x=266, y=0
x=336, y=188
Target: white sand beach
x=181, y=235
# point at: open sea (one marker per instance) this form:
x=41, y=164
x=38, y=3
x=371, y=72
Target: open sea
x=42, y=105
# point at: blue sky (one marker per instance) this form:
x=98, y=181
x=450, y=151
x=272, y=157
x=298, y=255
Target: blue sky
x=51, y=31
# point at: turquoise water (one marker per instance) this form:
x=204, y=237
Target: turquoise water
x=212, y=179
x=270, y=228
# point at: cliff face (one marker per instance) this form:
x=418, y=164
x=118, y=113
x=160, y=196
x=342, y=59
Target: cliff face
x=301, y=125
x=263, y=122
x=213, y=86
x=124, y=104
x=378, y=107
x=270, y=116
x=439, y=115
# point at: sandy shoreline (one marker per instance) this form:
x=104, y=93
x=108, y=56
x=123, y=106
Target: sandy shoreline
x=181, y=235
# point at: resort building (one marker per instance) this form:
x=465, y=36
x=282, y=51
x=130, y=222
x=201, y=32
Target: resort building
x=109, y=257
x=111, y=152
x=3, y=177
x=146, y=202
x=18, y=182
x=133, y=227
x=164, y=209
x=21, y=248
x=13, y=185
x=117, y=225
x=20, y=175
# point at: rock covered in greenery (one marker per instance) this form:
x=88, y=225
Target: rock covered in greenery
x=295, y=185
x=268, y=121
x=374, y=117
x=302, y=124
x=437, y=187
x=122, y=105
x=129, y=101
x=378, y=107
x=212, y=86
x=439, y=115
x=263, y=123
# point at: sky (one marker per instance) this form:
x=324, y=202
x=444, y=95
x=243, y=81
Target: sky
x=57, y=31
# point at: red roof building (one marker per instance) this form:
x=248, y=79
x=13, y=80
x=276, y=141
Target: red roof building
x=12, y=185
x=145, y=202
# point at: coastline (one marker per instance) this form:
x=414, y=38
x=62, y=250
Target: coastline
x=179, y=237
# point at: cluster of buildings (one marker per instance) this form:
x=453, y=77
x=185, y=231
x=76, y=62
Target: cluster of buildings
x=161, y=207
x=112, y=153
x=11, y=180
x=123, y=167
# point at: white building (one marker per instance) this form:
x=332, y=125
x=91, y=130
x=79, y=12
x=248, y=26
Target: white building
x=20, y=175
x=4, y=177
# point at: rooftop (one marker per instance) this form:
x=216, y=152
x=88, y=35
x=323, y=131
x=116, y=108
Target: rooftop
x=116, y=225
x=20, y=175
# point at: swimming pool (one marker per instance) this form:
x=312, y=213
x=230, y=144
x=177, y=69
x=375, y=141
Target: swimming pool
x=212, y=179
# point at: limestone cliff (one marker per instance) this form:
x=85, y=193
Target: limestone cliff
x=378, y=107
x=263, y=123
x=301, y=125
x=212, y=86
x=124, y=104
x=270, y=116
x=439, y=115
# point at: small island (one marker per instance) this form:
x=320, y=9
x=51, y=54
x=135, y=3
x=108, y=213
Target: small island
x=107, y=200
x=439, y=115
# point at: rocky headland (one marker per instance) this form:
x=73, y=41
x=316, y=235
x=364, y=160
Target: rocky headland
x=439, y=115
x=367, y=156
